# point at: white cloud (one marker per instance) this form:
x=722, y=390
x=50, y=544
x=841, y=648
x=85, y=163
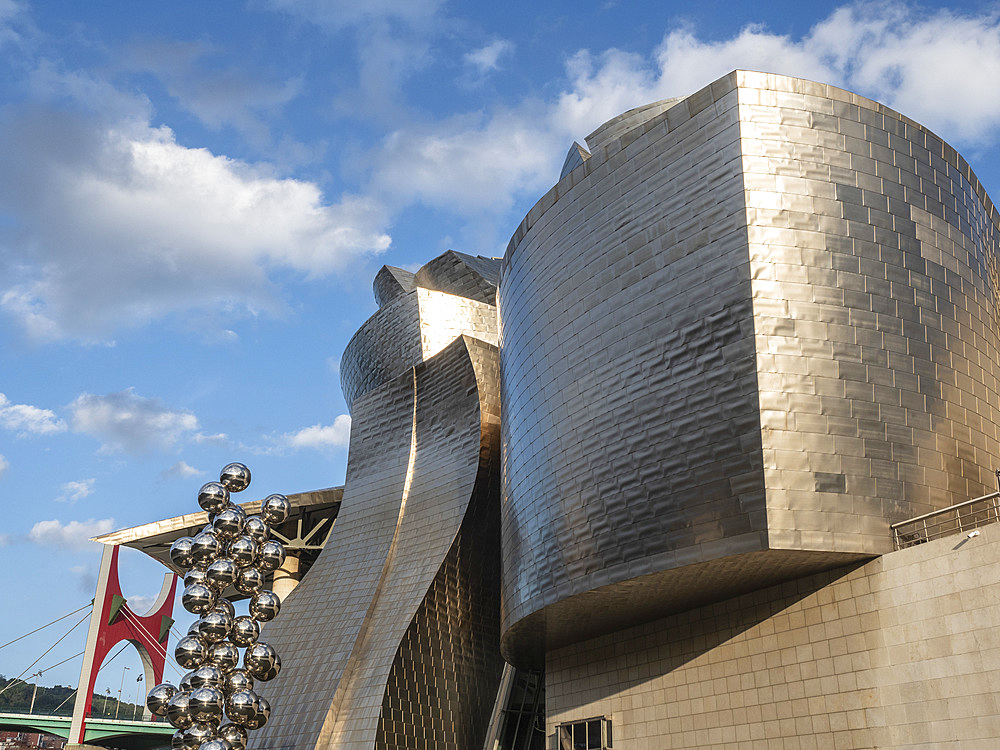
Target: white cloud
x=4, y=465
x=28, y=420
x=125, y=421
x=322, y=436
x=115, y=224
x=73, y=535
x=487, y=58
x=76, y=490
x=181, y=470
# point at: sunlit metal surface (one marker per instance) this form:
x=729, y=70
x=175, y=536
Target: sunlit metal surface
x=751, y=330
x=392, y=639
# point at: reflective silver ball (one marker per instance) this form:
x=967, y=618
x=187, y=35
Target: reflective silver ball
x=237, y=680
x=256, y=529
x=275, y=509
x=178, y=741
x=235, y=477
x=214, y=626
x=245, y=631
x=180, y=553
x=178, y=710
x=271, y=555
x=226, y=605
x=159, y=697
x=213, y=497
x=198, y=598
x=205, y=547
x=262, y=662
x=198, y=734
x=249, y=580
x=235, y=735
x=263, y=714
x=243, y=551
x=206, y=705
x=217, y=744
x=221, y=574
x=195, y=575
x=190, y=652
x=242, y=707
x=207, y=675
x=185, y=685
x=265, y=606
x=224, y=655
x=229, y=523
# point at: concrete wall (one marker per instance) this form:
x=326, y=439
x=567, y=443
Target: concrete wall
x=901, y=652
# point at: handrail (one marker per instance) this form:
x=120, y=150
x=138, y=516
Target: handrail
x=947, y=521
x=956, y=506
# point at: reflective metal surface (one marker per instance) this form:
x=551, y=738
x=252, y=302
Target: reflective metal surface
x=751, y=329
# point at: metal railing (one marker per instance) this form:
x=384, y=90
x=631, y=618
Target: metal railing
x=956, y=519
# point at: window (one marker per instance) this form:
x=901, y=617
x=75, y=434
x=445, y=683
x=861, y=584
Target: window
x=592, y=734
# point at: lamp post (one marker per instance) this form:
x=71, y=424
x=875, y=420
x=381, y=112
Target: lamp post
x=138, y=697
x=121, y=686
x=34, y=691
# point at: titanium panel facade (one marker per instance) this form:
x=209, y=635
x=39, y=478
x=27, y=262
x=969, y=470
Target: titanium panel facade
x=751, y=330
x=421, y=495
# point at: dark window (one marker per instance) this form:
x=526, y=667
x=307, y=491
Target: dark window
x=592, y=734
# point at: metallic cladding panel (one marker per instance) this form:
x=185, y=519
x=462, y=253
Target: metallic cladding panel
x=779, y=291
x=875, y=288
x=630, y=434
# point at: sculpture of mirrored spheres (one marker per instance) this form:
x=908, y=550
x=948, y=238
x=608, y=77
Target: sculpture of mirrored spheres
x=233, y=551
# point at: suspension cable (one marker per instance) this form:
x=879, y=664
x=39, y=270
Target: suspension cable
x=8, y=685
x=162, y=649
x=47, y=624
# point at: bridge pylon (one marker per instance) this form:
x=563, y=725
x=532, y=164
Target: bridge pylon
x=111, y=622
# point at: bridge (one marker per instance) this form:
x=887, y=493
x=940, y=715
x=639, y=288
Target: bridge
x=110, y=733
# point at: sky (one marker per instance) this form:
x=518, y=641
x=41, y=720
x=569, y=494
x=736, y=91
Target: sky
x=195, y=198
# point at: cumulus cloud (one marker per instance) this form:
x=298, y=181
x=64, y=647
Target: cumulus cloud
x=76, y=490
x=322, y=436
x=113, y=223
x=487, y=58
x=126, y=421
x=28, y=420
x=74, y=535
x=4, y=465
x=181, y=470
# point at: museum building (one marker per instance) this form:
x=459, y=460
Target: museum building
x=708, y=459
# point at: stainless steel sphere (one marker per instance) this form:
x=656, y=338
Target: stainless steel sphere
x=229, y=523
x=217, y=744
x=243, y=551
x=235, y=735
x=236, y=680
x=159, y=697
x=249, y=580
x=206, y=705
x=185, y=684
x=264, y=606
x=225, y=604
x=213, y=497
x=245, y=631
x=198, y=598
x=275, y=509
x=195, y=575
x=178, y=710
x=256, y=529
x=242, y=707
x=235, y=477
x=178, y=741
x=180, y=553
x=205, y=548
x=198, y=734
x=224, y=655
x=207, y=675
x=214, y=626
x=190, y=652
x=271, y=555
x=262, y=662
x=221, y=574
x=263, y=714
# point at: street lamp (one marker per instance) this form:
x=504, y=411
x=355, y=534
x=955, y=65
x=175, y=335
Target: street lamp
x=138, y=697
x=36, y=675
x=121, y=685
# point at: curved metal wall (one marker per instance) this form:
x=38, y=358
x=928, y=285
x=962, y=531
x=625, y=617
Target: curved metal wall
x=737, y=342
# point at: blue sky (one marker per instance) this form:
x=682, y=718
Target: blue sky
x=195, y=197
